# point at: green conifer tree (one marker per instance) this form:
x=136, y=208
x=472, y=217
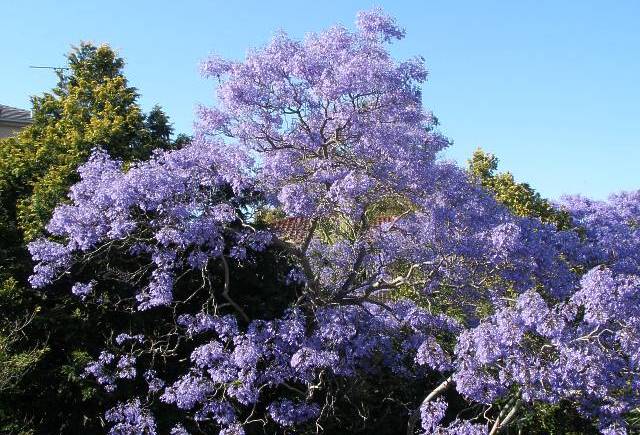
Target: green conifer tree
x=44, y=338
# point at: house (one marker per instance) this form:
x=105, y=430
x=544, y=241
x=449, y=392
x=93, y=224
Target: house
x=13, y=120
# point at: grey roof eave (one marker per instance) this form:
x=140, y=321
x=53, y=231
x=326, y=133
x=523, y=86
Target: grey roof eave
x=14, y=122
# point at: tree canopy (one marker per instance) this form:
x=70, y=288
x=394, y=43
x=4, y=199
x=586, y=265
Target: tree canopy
x=414, y=301
x=308, y=264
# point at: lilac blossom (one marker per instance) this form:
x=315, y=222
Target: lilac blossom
x=287, y=413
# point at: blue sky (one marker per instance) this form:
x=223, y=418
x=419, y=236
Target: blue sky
x=551, y=87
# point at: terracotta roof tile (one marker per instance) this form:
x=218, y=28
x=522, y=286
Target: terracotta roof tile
x=292, y=229
x=295, y=229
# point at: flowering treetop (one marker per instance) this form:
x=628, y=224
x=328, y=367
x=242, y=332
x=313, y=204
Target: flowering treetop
x=407, y=269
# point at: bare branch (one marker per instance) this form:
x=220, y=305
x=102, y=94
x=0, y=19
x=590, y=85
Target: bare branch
x=415, y=415
x=225, y=292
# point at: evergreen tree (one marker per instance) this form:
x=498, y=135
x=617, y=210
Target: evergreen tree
x=520, y=198
x=46, y=337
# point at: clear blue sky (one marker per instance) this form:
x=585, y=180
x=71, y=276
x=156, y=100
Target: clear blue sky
x=551, y=87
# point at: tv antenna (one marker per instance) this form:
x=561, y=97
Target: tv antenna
x=57, y=69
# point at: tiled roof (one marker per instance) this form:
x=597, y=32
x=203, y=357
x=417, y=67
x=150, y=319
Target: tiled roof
x=295, y=229
x=14, y=116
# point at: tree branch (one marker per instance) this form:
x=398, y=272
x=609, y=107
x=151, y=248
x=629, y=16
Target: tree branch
x=415, y=415
x=225, y=292
x=510, y=411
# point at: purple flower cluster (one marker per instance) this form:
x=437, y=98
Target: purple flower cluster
x=130, y=418
x=234, y=369
x=82, y=290
x=288, y=413
x=174, y=195
x=107, y=369
x=584, y=349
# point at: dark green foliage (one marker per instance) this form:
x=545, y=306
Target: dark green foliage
x=47, y=339
x=561, y=419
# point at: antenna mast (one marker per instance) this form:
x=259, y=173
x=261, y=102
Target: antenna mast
x=58, y=69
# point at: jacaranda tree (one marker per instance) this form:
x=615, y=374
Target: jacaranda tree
x=398, y=296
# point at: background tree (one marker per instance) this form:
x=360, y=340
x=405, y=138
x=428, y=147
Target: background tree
x=92, y=106
x=47, y=336
x=519, y=197
x=160, y=132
